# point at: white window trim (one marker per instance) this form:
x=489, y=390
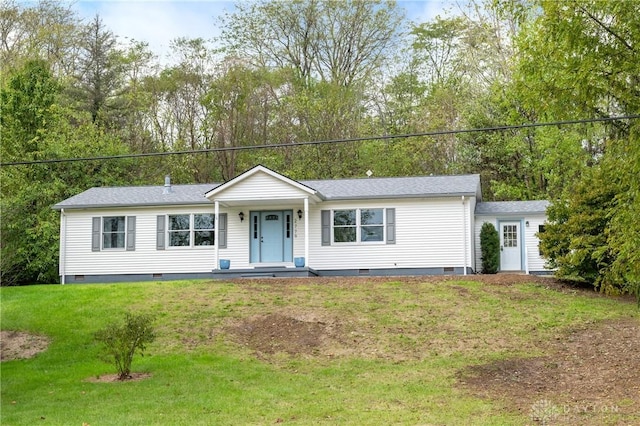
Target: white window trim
x=192, y=232
x=102, y=247
x=358, y=226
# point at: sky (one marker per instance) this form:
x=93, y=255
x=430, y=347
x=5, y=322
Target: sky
x=157, y=22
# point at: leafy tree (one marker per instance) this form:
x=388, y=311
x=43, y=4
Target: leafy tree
x=490, y=248
x=341, y=42
x=36, y=127
x=176, y=110
x=578, y=59
x=136, y=100
x=46, y=29
x=100, y=74
x=575, y=239
x=239, y=106
x=457, y=66
x=121, y=341
x=323, y=54
x=26, y=115
x=625, y=226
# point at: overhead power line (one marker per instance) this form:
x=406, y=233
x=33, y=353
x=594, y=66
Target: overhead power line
x=332, y=141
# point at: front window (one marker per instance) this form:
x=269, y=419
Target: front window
x=187, y=230
x=113, y=232
x=180, y=230
x=344, y=226
x=372, y=221
x=203, y=229
x=358, y=225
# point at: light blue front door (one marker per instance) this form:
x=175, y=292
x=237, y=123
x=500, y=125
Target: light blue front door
x=271, y=236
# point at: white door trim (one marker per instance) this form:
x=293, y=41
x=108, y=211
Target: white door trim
x=511, y=243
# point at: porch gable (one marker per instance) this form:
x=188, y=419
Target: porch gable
x=261, y=184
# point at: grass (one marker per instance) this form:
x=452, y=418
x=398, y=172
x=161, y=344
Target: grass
x=403, y=343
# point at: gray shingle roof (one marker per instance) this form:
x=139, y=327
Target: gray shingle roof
x=137, y=196
x=342, y=189
x=396, y=187
x=511, y=207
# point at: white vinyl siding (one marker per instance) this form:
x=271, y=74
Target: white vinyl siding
x=146, y=259
x=429, y=234
x=535, y=263
x=261, y=186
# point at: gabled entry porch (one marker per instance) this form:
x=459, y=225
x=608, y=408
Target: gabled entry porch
x=268, y=225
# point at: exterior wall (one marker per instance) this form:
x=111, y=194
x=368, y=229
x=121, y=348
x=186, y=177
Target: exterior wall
x=260, y=186
x=239, y=233
x=534, y=262
x=429, y=234
x=78, y=259
x=471, y=208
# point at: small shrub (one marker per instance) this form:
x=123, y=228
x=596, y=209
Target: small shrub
x=490, y=248
x=121, y=341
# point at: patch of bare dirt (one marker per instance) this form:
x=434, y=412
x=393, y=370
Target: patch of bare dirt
x=20, y=345
x=288, y=332
x=591, y=377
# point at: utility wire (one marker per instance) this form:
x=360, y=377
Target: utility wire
x=332, y=141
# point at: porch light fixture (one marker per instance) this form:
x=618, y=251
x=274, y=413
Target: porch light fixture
x=241, y=214
x=299, y=214
x=527, y=223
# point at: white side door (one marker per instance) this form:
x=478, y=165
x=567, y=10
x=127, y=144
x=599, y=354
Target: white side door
x=510, y=250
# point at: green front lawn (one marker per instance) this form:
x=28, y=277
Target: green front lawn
x=392, y=357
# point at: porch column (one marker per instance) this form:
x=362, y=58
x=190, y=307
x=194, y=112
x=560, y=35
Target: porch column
x=216, y=245
x=526, y=253
x=306, y=231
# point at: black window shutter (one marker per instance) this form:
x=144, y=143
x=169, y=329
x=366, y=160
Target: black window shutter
x=222, y=230
x=131, y=233
x=325, y=224
x=391, y=226
x=160, y=233
x=95, y=234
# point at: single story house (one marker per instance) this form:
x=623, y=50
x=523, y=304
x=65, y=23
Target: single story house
x=264, y=223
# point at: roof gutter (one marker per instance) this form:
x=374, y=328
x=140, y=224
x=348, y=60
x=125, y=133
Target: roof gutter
x=510, y=213
x=404, y=196
x=111, y=206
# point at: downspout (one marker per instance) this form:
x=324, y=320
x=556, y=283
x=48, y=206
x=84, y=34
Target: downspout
x=216, y=238
x=464, y=232
x=63, y=246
